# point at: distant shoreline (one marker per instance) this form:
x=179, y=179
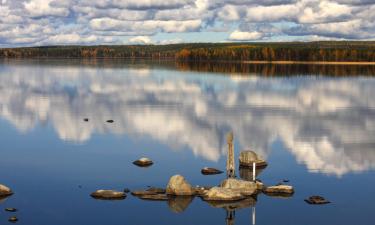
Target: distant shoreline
x=310, y=62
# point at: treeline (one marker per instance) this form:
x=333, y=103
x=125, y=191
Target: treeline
x=343, y=51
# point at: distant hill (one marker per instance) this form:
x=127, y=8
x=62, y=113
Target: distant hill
x=327, y=51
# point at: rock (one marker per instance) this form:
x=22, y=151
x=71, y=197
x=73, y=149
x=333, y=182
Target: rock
x=108, y=195
x=317, y=200
x=154, y=197
x=156, y=190
x=248, y=157
x=143, y=162
x=13, y=219
x=110, y=121
x=279, y=189
x=246, y=188
x=126, y=190
x=285, y=181
x=11, y=209
x=177, y=185
x=5, y=191
x=86, y=119
x=222, y=194
x=178, y=204
x=200, y=191
x=210, y=171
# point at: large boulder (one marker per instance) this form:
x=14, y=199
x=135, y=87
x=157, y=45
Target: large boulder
x=246, y=188
x=5, y=191
x=108, y=195
x=247, y=158
x=177, y=185
x=223, y=194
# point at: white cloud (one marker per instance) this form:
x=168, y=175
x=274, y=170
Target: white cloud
x=245, y=36
x=141, y=40
x=122, y=18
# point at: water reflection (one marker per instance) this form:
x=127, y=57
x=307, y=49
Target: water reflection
x=327, y=124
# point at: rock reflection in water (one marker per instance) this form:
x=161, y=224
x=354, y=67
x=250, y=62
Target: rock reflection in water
x=327, y=124
x=178, y=204
x=246, y=173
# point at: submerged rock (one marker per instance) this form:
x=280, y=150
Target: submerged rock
x=110, y=121
x=143, y=162
x=210, y=171
x=13, y=219
x=5, y=191
x=11, y=209
x=247, y=158
x=246, y=188
x=86, y=119
x=177, y=185
x=279, y=189
x=317, y=200
x=222, y=194
x=178, y=204
x=108, y=195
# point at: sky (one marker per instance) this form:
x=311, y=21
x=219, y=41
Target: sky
x=93, y=22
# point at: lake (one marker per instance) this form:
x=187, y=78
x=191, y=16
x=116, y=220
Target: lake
x=315, y=126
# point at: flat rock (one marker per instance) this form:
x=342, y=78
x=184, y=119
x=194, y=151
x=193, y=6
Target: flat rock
x=108, y=195
x=246, y=188
x=150, y=191
x=317, y=200
x=200, y=191
x=177, y=185
x=222, y=194
x=210, y=171
x=154, y=197
x=11, y=209
x=143, y=162
x=279, y=189
x=5, y=191
x=247, y=158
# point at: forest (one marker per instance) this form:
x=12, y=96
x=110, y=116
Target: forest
x=326, y=51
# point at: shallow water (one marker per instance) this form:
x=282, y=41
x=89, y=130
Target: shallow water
x=316, y=131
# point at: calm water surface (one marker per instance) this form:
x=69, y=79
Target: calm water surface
x=316, y=131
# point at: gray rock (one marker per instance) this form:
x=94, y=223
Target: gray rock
x=247, y=158
x=279, y=189
x=5, y=191
x=108, y=195
x=177, y=185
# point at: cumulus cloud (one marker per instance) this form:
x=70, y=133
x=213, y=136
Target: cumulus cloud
x=141, y=40
x=124, y=19
x=245, y=36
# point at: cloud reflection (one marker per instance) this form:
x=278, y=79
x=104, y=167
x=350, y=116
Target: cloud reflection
x=327, y=124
